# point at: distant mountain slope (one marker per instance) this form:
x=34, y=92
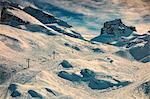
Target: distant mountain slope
x=117, y=34
x=113, y=31
x=35, y=20
x=51, y=22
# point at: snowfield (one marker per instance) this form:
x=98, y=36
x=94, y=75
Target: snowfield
x=50, y=64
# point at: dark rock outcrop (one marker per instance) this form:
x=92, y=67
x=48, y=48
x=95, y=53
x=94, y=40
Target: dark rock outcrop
x=45, y=17
x=116, y=27
x=10, y=19
x=141, y=52
x=35, y=94
x=89, y=77
x=97, y=50
x=88, y=73
x=13, y=90
x=66, y=64
x=124, y=54
x=72, y=46
x=49, y=20
x=100, y=84
x=51, y=91
x=71, y=77
x=113, y=30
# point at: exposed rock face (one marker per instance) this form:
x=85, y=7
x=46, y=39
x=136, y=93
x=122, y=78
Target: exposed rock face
x=124, y=54
x=0, y=11
x=51, y=21
x=10, y=19
x=113, y=31
x=89, y=77
x=8, y=4
x=116, y=27
x=35, y=94
x=13, y=90
x=141, y=48
x=4, y=4
x=45, y=18
x=66, y=64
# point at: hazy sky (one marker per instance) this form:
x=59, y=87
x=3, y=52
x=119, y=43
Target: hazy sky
x=88, y=16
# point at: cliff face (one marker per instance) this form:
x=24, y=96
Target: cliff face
x=113, y=31
x=116, y=28
x=45, y=17
x=53, y=22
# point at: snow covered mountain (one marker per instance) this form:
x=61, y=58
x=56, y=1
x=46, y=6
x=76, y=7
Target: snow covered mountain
x=40, y=21
x=117, y=34
x=113, y=31
x=43, y=57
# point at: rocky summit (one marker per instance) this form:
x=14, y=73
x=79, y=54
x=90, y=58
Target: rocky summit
x=113, y=31
x=117, y=34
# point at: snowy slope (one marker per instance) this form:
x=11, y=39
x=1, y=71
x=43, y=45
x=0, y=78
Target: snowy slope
x=37, y=21
x=62, y=66
x=52, y=22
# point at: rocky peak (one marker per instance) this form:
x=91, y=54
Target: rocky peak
x=114, y=22
x=118, y=34
x=116, y=28
x=113, y=31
